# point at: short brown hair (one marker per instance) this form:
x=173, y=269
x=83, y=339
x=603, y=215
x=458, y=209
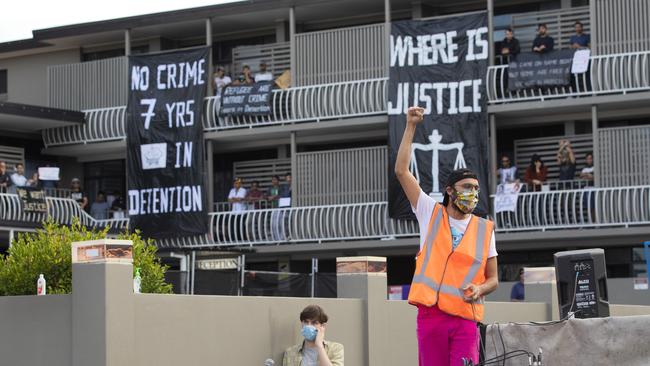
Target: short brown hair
x=313, y=312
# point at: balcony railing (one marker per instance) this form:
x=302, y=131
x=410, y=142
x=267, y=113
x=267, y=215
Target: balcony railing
x=578, y=208
x=307, y=224
x=609, y=74
x=314, y=103
x=62, y=210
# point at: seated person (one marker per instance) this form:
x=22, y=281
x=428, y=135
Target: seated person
x=314, y=350
x=543, y=43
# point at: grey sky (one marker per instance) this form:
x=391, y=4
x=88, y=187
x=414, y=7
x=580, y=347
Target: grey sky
x=19, y=18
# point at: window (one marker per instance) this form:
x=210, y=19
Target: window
x=3, y=82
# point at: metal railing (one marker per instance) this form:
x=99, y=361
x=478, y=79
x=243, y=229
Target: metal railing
x=309, y=103
x=578, y=208
x=62, y=210
x=307, y=224
x=104, y=124
x=86, y=85
x=608, y=74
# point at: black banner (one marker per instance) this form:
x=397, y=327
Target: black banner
x=165, y=143
x=439, y=65
x=32, y=199
x=247, y=100
x=532, y=70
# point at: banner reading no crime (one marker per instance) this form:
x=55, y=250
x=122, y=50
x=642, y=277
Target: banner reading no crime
x=166, y=197
x=439, y=65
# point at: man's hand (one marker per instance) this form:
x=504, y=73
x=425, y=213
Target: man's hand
x=320, y=336
x=415, y=115
x=471, y=292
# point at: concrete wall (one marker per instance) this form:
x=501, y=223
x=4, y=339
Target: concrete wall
x=621, y=291
x=27, y=75
x=219, y=330
x=112, y=326
x=36, y=330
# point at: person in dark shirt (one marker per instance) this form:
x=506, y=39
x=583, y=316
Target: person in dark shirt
x=510, y=44
x=5, y=179
x=77, y=193
x=580, y=39
x=543, y=42
x=517, y=293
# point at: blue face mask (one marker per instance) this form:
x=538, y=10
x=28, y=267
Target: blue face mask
x=309, y=332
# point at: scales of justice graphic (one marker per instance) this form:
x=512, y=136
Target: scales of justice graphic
x=435, y=146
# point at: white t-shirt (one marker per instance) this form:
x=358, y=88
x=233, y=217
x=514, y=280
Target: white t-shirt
x=423, y=213
x=587, y=170
x=221, y=82
x=263, y=76
x=19, y=180
x=238, y=193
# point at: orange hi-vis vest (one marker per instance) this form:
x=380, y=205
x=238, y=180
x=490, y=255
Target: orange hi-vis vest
x=441, y=271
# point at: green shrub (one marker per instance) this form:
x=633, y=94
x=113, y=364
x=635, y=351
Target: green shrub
x=48, y=251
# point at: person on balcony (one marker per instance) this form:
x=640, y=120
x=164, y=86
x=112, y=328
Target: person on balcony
x=285, y=192
x=507, y=173
x=77, y=194
x=245, y=78
x=580, y=39
x=314, y=350
x=456, y=265
x=118, y=207
x=33, y=181
x=18, y=179
x=99, y=208
x=567, y=161
x=237, y=196
x=509, y=46
x=536, y=174
x=274, y=192
x=263, y=75
x=220, y=81
x=5, y=179
x=587, y=173
x=543, y=43
x=254, y=196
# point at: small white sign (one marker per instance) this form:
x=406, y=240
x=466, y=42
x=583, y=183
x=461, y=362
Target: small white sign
x=48, y=173
x=641, y=283
x=285, y=202
x=154, y=156
x=580, y=61
x=506, y=197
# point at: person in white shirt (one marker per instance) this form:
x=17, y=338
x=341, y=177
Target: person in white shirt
x=220, y=81
x=263, y=75
x=237, y=196
x=18, y=178
x=587, y=172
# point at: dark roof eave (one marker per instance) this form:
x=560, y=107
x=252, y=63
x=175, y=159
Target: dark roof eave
x=54, y=114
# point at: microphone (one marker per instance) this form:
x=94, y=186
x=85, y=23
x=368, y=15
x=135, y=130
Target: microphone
x=269, y=362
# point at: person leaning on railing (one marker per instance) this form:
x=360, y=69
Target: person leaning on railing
x=254, y=196
x=5, y=179
x=580, y=39
x=536, y=174
x=543, y=42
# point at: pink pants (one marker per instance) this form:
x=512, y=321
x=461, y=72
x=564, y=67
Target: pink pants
x=445, y=339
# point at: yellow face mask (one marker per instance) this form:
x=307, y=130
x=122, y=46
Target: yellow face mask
x=466, y=201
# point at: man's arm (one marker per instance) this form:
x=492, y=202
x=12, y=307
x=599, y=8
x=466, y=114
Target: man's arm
x=491, y=277
x=409, y=184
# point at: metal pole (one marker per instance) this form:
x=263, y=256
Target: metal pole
x=193, y=272
x=239, y=271
x=11, y=237
x=292, y=44
x=595, y=147
x=208, y=42
x=187, y=274
x=387, y=31
x=210, y=173
x=493, y=154
x=243, y=273
x=490, y=9
x=294, y=168
x=127, y=42
x=314, y=270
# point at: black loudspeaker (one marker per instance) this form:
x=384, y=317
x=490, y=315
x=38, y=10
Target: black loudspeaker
x=582, y=283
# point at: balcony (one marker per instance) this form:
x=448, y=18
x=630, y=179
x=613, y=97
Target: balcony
x=609, y=74
x=61, y=210
x=578, y=209
x=315, y=103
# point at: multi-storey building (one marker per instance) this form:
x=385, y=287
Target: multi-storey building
x=64, y=96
